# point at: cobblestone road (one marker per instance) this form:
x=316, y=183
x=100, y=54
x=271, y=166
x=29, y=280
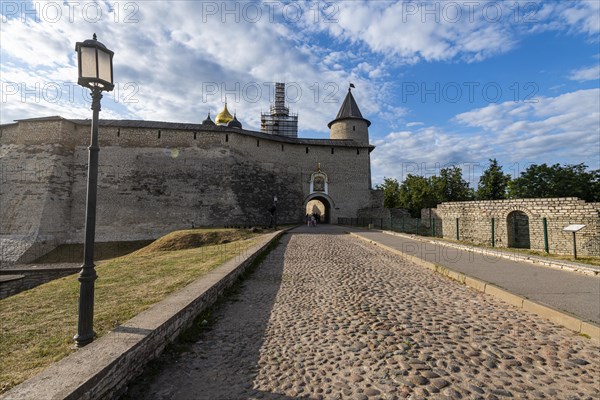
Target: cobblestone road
x=329, y=316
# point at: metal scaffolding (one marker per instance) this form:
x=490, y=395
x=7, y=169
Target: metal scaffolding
x=279, y=121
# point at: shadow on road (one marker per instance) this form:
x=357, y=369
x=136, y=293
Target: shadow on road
x=221, y=360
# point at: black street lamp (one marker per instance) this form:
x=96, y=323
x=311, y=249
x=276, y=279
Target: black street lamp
x=275, y=211
x=96, y=74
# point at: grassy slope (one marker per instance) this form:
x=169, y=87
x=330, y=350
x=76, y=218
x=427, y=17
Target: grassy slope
x=37, y=326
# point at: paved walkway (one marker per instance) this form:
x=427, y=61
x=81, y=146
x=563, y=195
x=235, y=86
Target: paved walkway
x=329, y=316
x=575, y=293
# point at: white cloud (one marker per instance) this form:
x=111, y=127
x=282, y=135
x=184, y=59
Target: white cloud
x=166, y=69
x=431, y=31
x=412, y=31
x=32, y=43
x=168, y=64
x=582, y=16
x=425, y=151
x=575, y=17
x=565, y=126
x=586, y=74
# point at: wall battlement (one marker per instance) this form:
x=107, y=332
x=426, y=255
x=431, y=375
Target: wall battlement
x=156, y=177
x=73, y=132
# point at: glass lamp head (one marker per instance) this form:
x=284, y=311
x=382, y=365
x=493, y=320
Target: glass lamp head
x=95, y=63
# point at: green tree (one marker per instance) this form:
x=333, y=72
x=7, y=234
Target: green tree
x=493, y=183
x=450, y=186
x=535, y=181
x=557, y=181
x=416, y=192
x=391, y=192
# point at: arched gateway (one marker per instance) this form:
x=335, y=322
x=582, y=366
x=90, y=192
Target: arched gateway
x=320, y=205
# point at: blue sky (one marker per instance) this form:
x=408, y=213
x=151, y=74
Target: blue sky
x=444, y=83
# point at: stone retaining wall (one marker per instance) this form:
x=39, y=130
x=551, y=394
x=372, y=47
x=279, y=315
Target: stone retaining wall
x=9, y=285
x=520, y=223
x=30, y=278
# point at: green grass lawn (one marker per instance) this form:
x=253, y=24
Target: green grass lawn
x=37, y=326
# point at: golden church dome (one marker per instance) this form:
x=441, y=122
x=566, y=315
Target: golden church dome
x=224, y=116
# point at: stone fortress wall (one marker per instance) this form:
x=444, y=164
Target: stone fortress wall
x=520, y=223
x=156, y=177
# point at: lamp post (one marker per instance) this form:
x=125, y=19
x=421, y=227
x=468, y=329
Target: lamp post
x=275, y=211
x=96, y=74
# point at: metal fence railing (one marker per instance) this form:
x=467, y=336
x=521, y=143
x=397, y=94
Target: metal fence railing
x=418, y=226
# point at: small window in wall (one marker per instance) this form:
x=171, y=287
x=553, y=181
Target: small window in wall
x=227, y=137
x=118, y=132
x=281, y=147
x=257, y=143
x=353, y=127
x=159, y=134
x=332, y=150
x=307, y=150
x=195, y=135
x=357, y=152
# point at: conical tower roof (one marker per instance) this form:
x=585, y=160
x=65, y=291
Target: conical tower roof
x=349, y=110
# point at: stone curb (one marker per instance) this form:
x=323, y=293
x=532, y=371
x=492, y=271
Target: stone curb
x=8, y=278
x=566, y=266
x=558, y=317
x=105, y=367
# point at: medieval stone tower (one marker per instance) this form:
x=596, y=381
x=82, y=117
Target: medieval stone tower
x=349, y=122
